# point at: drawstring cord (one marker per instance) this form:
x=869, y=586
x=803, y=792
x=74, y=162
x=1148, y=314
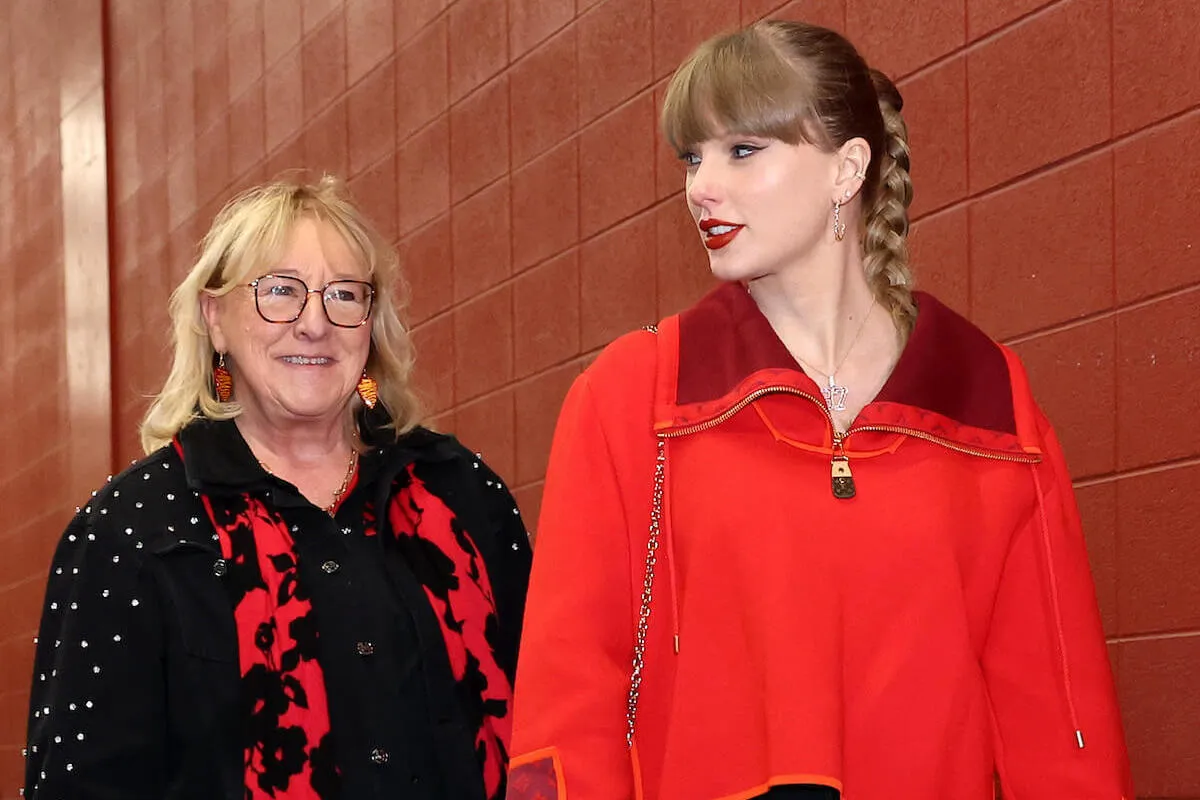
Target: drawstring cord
x=1054, y=603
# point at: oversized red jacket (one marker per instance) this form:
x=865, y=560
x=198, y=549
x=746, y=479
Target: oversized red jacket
x=915, y=641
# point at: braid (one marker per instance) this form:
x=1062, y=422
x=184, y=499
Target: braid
x=885, y=245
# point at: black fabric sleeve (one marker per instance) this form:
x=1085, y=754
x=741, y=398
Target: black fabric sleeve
x=508, y=563
x=97, y=707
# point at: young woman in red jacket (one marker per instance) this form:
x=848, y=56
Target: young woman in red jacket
x=812, y=537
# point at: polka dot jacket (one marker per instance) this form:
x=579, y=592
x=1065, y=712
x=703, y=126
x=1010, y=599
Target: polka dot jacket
x=136, y=687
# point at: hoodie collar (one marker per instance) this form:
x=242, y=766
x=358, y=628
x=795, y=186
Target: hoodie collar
x=951, y=379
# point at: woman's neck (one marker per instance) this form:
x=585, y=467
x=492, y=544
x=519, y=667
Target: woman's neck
x=828, y=320
x=302, y=445
x=818, y=312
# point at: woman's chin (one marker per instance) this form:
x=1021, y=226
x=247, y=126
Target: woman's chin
x=730, y=270
x=312, y=406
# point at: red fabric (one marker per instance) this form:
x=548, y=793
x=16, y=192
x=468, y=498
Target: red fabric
x=907, y=644
x=280, y=675
x=288, y=754
x=463, y=601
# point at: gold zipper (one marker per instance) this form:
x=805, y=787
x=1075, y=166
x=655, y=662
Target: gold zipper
x=1024, y=458
x=841, y=477
x=724, y=416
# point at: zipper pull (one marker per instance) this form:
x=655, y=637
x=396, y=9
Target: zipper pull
x=842, y=480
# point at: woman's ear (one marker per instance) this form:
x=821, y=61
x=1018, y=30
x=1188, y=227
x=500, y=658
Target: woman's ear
x=210, y=310
x=853, y=159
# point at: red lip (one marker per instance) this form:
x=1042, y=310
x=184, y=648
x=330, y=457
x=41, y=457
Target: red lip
x=708, y=224
x=717, y=241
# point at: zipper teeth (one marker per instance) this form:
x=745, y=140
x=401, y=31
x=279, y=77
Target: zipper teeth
x=839, y=437
x=745, y=401
x=1027, y=458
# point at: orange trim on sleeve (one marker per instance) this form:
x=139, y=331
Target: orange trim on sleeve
x=537, y=775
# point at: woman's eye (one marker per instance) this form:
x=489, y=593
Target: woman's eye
x=744, y=150
x=281, y=291
x=690, y=159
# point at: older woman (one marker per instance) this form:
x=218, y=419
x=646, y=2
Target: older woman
x=299, y=592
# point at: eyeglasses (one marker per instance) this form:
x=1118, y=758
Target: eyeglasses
x=282, y=298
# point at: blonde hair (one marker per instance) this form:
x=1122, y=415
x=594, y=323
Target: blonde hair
x=249, y=234
x=802, y=83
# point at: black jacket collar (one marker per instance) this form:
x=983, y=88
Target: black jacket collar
x=217, y=459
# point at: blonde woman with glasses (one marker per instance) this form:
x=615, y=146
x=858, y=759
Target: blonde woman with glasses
x=299, y=592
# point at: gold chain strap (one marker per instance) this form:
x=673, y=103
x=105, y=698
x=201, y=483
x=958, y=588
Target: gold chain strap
x=643, y=623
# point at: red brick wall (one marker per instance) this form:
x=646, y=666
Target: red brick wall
x=54, y=377
x=509, y=148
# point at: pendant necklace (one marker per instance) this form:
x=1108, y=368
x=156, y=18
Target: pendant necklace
x=330, y=509
x=833, y=392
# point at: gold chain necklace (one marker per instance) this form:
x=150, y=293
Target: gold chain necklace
x=339, y=491
x=834, y=393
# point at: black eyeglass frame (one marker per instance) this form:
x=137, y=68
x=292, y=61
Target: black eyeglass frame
x=253, y=285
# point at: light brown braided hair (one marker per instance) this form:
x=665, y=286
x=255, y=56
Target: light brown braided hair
x=803, y=83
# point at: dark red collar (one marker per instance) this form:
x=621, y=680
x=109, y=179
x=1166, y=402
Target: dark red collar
x=949, y=367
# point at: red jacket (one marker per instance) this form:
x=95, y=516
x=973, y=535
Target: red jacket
x=935, y=630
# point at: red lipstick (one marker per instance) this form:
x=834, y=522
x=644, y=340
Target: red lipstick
x=718, y=233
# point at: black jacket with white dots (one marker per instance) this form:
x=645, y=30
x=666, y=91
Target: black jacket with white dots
x=136, y=678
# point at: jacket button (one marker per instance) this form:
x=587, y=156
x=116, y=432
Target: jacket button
x=379, y=756
x=220, y=567
x=330, y=567
x=364, y=648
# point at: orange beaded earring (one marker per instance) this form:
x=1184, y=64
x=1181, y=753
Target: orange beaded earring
x=222, y=380
x=368, y=390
